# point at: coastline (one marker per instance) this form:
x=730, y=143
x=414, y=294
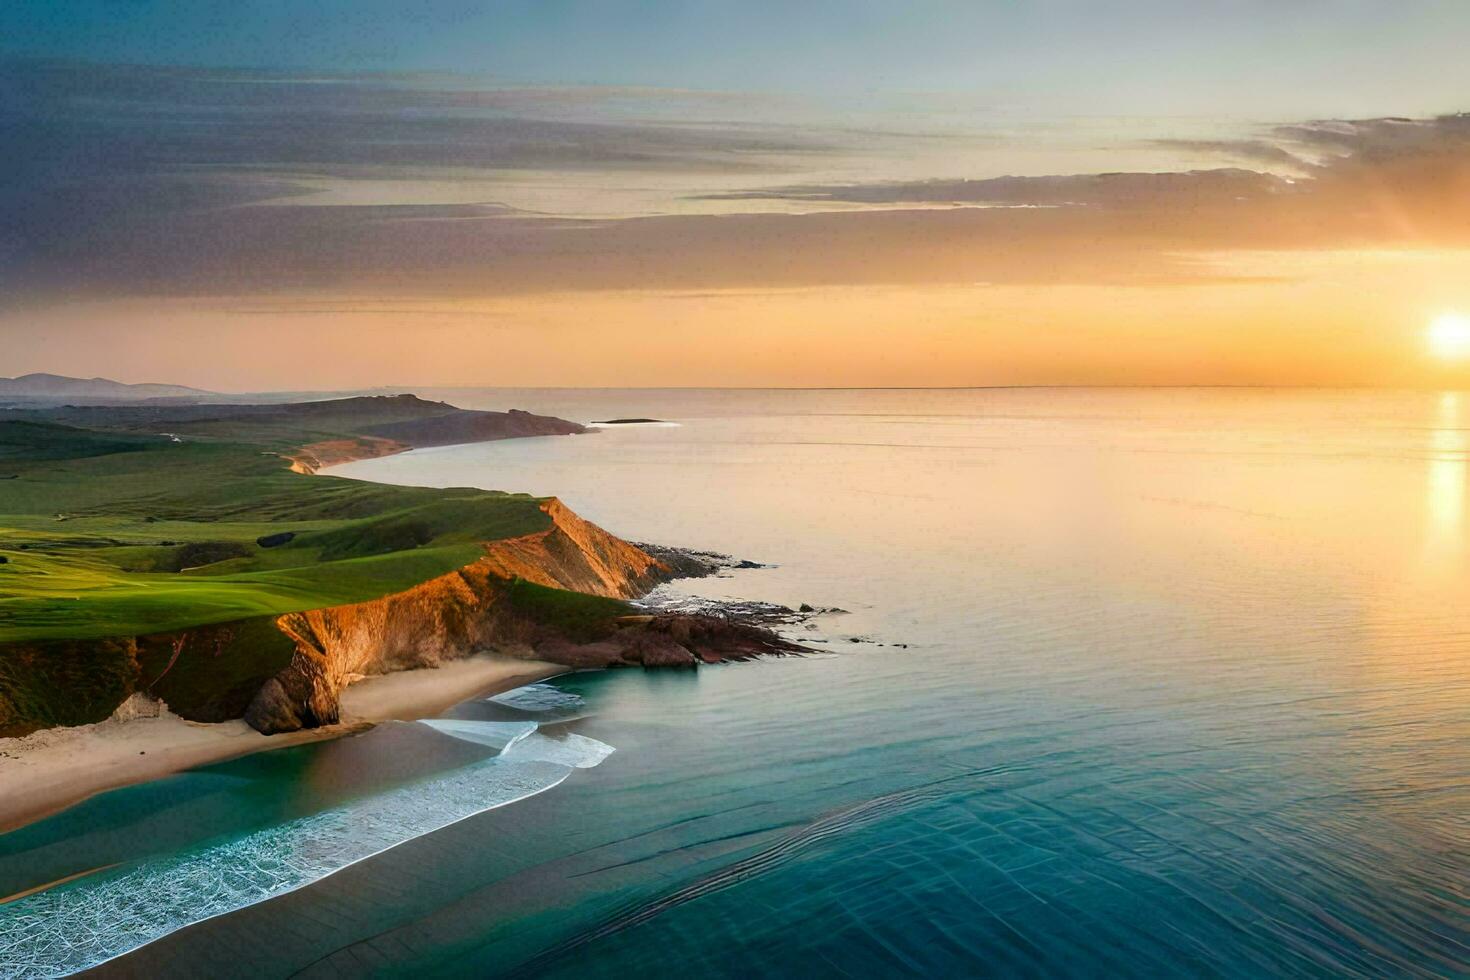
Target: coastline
x=52, y=769
x=56, y=768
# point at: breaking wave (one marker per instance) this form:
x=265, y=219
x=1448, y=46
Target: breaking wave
x=521, y=742
x=575, y=751
x=81, y=924
x=496, y=734
x=538, y=697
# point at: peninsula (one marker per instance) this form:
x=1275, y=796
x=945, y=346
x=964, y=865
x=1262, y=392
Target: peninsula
x=191, y=554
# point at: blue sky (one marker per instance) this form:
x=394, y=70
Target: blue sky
x=1271, y=59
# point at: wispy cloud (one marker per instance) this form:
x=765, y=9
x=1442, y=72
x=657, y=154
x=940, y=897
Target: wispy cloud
x=140, y=180
x=1258, y=151
x=1418, y=157
x=105, y=121
x=1166, y=190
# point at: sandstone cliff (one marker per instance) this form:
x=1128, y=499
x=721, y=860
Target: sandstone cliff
x=476, y=609
x=285, y=673
x=577, y=555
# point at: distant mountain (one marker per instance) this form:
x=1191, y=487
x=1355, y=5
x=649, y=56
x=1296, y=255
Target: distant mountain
x=56, y=387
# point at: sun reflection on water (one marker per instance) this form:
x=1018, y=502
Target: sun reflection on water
x=1446, y=478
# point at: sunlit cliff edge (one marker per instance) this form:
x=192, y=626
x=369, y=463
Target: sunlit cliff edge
x=489, y=605
x=535, y=581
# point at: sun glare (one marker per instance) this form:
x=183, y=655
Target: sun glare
x=1449, y=336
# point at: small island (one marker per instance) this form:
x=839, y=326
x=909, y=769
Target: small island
x=631, y=422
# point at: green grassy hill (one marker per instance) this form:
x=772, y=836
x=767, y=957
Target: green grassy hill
x=153, y=549
x=131, y=521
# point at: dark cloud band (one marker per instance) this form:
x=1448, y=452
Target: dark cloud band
x=128, y=181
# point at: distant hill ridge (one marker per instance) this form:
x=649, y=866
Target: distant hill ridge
x=312, y=434
x=57, y=386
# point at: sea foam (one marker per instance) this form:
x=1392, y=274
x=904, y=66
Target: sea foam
x=81, y=924
x=577, y=751
x=496, y=734
x=538, y=697
x=521, y=742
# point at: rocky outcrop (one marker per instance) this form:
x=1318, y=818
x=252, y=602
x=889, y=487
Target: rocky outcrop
x=668, y=640
x=689, y=563
x=472, y=610
x=285, y=673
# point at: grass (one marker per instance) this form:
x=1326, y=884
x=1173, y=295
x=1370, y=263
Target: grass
x=119, y=527
x=114, y=533
x=580, y=616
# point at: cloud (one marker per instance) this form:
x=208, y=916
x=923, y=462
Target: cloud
x=102, y=157
x=83, y=121
x=375, y=251
x=157, y=181
x=1375, y=141
x=1246, y=150
x=1421, y=158
x=1132, y=190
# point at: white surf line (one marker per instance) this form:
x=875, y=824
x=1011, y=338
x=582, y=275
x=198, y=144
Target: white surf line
x=91, y=921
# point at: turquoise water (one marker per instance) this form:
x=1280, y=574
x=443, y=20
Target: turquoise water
x=1147, y=682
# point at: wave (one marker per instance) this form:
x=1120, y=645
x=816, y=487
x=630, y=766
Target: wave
x=521, y=742
x=81, y=924
x=538, y=697
x=496, y=734
x=575, y=751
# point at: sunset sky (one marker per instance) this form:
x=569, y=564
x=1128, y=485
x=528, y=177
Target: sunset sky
x=246, y=195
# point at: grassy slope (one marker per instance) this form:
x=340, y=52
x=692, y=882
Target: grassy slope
x=96, y=523
x=579, y=616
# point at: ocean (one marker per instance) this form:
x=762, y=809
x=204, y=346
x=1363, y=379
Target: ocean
x=1120, y=682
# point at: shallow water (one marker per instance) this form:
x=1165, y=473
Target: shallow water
x=1148, y=682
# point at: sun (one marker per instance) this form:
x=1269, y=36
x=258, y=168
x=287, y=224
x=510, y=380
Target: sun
x=1449, y=336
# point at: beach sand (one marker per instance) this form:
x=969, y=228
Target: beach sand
x=53, y=769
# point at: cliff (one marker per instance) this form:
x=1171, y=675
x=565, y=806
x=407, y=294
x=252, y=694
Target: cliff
x=164, y=549
x=450, y=427
x=552, y=595
x=577, y=555
x=535, y=596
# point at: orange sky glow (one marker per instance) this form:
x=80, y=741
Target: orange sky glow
x=249, y=229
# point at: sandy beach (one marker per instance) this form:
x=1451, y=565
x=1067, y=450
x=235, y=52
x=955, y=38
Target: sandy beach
x=53, y=769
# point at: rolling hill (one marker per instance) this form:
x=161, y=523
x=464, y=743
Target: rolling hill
x=57, y=387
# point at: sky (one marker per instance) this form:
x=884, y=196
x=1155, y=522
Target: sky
x=352, y=193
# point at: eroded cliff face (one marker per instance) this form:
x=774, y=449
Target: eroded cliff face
x=471, y=610
x=286, y=673
x=577, y=555
x=443, y=619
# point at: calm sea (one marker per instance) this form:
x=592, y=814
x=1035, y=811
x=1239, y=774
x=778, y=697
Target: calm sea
x=1129, y=682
